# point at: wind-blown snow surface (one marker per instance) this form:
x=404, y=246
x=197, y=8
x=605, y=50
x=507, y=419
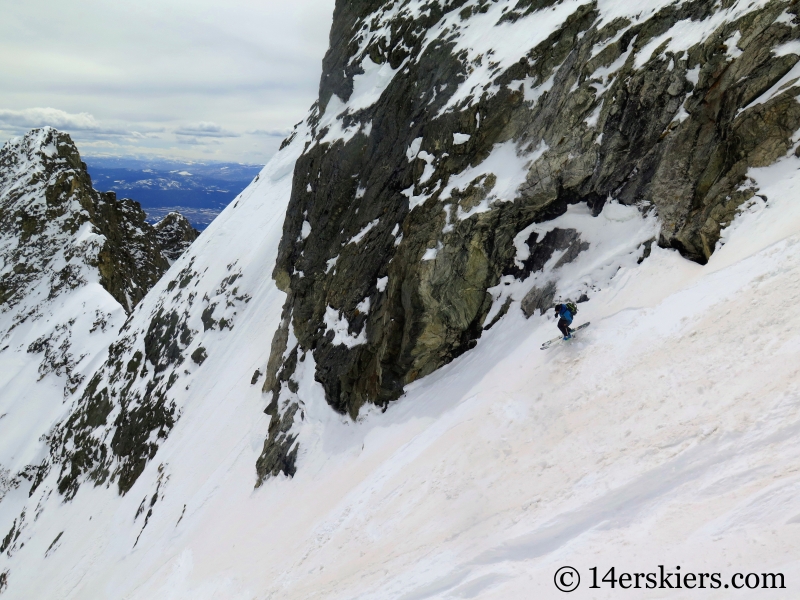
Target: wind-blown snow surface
x=666, y=434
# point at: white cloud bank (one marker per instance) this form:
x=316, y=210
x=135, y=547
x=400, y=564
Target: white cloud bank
x=205, y=129
x=39, y=117
x=178, y=78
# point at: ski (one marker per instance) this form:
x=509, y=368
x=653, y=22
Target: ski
x=548, y=343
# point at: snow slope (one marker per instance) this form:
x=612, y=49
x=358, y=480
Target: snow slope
x=56, y=319
x=666, y=434
x=73, y=261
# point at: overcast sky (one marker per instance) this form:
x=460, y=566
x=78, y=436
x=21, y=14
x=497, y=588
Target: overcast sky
x=195, y=79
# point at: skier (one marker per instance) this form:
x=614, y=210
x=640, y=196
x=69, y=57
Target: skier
x=565, y=313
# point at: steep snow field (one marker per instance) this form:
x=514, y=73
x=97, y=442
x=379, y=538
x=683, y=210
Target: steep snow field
x=666, y=434
x=84, y=321
x=54, y=334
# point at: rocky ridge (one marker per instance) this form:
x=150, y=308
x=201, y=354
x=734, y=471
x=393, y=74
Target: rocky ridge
x=437, y=185
x=174, y=234
x=74, y=262
x=444, y=131
x=46, y=195
x=57, y=235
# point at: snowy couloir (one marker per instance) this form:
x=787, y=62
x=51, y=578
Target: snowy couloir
x=337, y=391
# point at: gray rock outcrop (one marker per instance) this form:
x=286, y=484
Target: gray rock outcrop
x=378, y=246
x=46, y=196
x=175, y=234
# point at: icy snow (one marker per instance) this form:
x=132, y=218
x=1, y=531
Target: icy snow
x=431, y=253
x=790, y=47
x=686, y=33
x=533, y=92
x=786, y=18
x=429, y=168
x=331, y=263
x=367, y=89
x=733, y=45
x=363, y=306
x=370, y=85
x=505, y=163
x=332, y=119
x=364, y=231
x=413, y=149
x=592, y=119
x=693, y=75
x=336, y=322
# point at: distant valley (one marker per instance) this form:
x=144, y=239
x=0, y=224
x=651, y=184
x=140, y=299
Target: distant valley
x=197, y=190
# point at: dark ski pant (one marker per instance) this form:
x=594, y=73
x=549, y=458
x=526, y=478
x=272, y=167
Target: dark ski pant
x=563, y=326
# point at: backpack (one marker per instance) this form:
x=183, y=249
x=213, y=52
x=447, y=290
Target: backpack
x=572, y=308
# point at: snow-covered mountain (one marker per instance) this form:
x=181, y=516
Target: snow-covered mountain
x=381, y=292
x=174, y=234
x=73, y=263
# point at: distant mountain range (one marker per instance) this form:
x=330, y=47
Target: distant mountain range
x=197, y=190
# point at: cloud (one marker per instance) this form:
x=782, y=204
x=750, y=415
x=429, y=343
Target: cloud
x=39, y=117
x=199, y=70
x=154, y=134
x=205, y=129
x=281, y=133
x=193, y=141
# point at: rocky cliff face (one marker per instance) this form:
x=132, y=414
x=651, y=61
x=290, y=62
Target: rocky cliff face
x=175, y=234
x=445, y=132
x=47, y=200
x=462, y=158
x=74, y=263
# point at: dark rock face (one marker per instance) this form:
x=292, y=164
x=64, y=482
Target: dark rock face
x=58, y=234
x=387, y=268
x=128, y=407
x=542, y=250
x=46, y=197
x=175, y=234
x=538, y=298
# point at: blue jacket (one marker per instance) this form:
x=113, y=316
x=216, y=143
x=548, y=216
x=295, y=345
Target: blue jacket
x=564, y=313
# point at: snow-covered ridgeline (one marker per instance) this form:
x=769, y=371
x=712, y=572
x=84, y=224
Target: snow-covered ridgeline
x=56, y=319
x=505, y=464
x=173, y=418
x=174, y=332
x=490, y=37
x=74, y=261
x=214, y=297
